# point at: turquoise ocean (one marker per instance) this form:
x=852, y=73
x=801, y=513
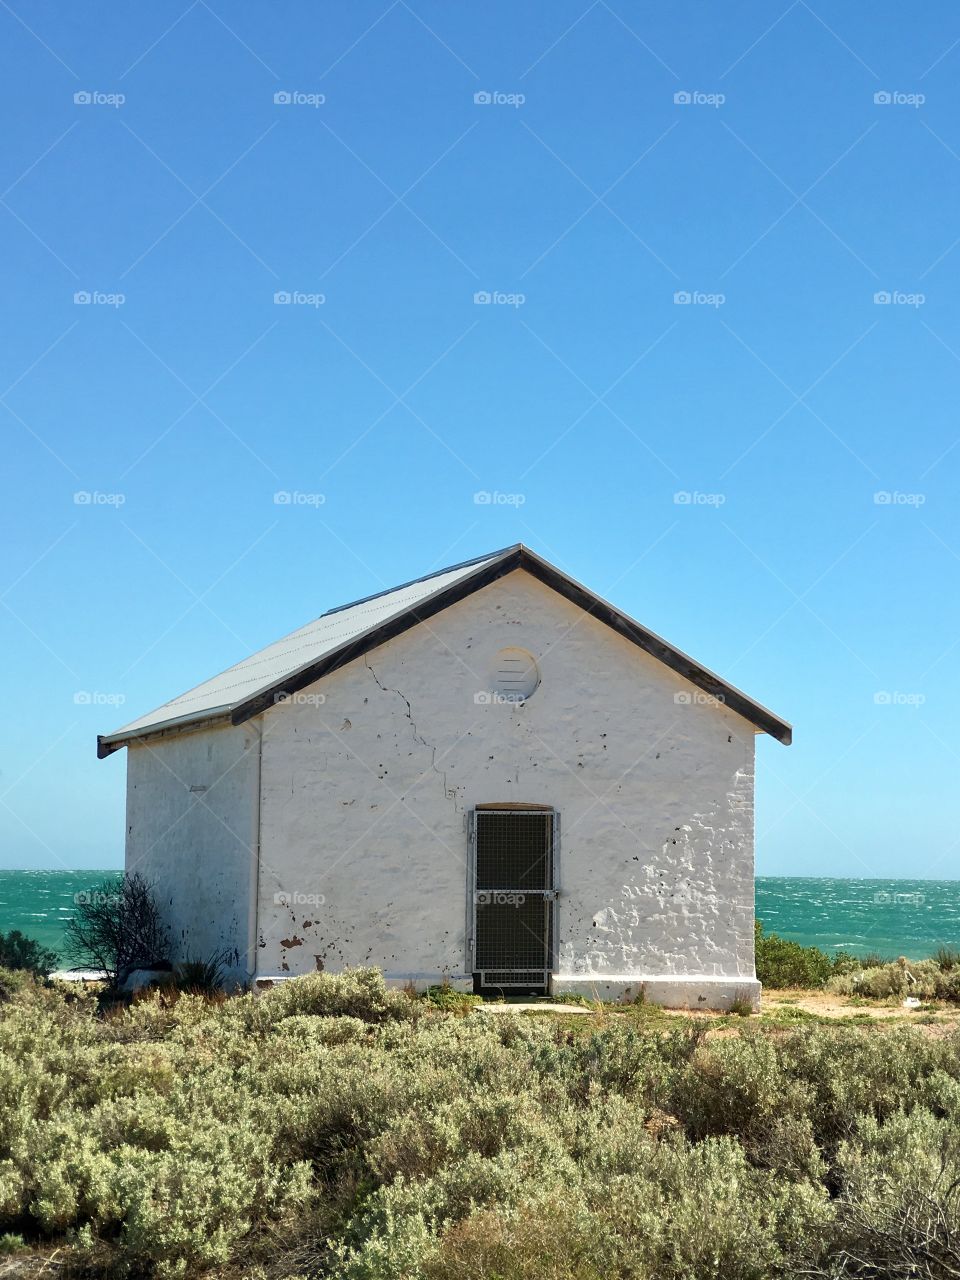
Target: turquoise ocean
x=894, y=917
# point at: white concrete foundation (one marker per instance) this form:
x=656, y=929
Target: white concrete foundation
x=423, y=981
x=419, y=981
x=672, y=993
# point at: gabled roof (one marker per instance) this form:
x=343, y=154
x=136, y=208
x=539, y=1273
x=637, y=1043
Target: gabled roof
x=341, y=635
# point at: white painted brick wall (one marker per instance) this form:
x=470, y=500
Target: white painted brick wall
x=364, y=800
x=195, y=846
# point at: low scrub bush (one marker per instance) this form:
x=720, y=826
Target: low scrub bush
x=782, y=963
x=947, y=958
x=358, y=993
x=201, y=977
x=13, y=981
x=899, y=1203
x=923, y=979
x=869, y=960
x=17, y=951
x=332, y=1127
x=117, y=927
x=740, y=1007
x=445, y=997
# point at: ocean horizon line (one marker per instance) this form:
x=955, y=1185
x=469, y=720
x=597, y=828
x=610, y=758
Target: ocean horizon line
x=759, y=875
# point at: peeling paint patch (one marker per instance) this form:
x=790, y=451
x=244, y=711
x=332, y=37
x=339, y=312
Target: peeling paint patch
x=291, y=942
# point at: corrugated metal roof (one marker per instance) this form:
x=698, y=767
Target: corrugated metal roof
x=278, y=661
x=343, y=634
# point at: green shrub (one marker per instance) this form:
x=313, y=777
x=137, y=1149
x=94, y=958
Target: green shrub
x=923, y=979
x=846, y=962
x=870, y=960
x=13, y=981
x=358, y=993
x=17, y=951
x=739, y=1087
x=202, y=977
x=333, y=1127
x=782, y=963
x=948, y=958
x=578, y=998
x=740, y=1007
x=948, y=986
x=451, y=1001
x=899, y=1205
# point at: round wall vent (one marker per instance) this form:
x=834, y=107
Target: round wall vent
x=515, y=675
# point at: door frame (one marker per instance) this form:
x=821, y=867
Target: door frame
x=553, y=894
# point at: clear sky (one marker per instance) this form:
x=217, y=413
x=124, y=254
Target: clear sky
x=620, y=158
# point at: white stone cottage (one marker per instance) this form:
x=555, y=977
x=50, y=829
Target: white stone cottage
x=488, y=776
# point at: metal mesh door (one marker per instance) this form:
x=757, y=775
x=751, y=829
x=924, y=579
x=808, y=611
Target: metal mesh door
x=513, y=894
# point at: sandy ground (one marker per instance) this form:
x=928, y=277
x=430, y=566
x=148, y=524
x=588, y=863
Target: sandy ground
x=830, y=1006
x=932, y=1017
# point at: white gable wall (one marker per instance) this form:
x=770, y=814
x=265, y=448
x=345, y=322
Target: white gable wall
x=367, y=778
x=191, y=832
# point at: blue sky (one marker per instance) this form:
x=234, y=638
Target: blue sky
x=814, y=166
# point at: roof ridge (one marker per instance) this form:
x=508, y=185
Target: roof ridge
x=252, y=685
x=435, y=573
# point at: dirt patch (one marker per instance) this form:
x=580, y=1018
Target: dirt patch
x=783, y=1008
x=827, y=1005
